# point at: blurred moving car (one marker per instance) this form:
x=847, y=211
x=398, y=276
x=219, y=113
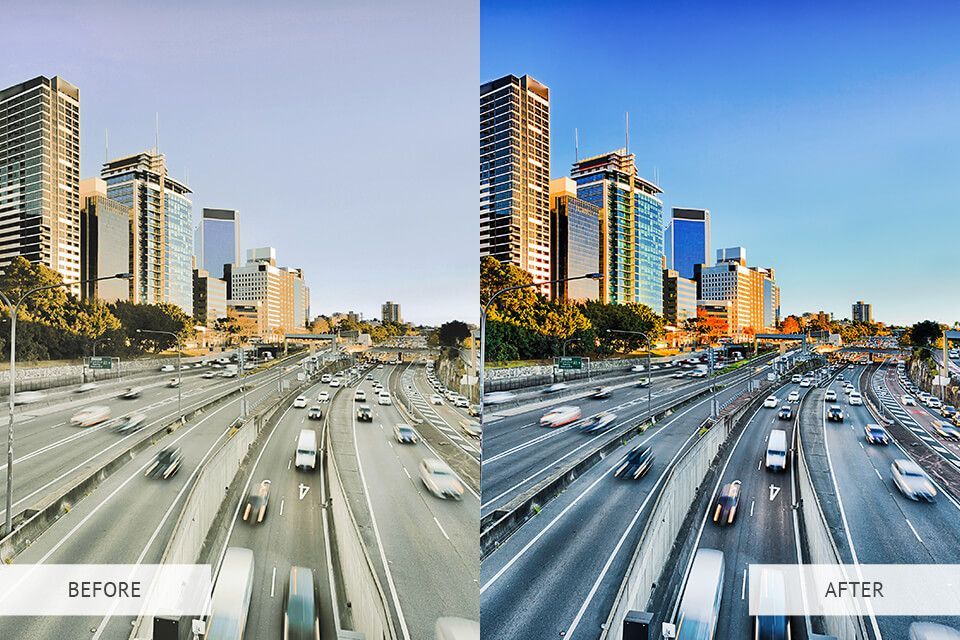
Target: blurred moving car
x=635, y=463
x=946, y=430
x=932, y=631
x=835, y=414
x=300, y=402
x=255, y=509
x=474, y=410
x=365, y=413
x=131, y=393
x=85, y=387
x=601, y=392
x=436, y=399
x=559, y=416
x=456, y=629
x=726, y=507
x=301, y=602
x=785, y=413
x=166, y=464
x=598, y=422
x=167, y=368
x=473, y=428
x=793, y=396
x=875, y=434
x=128, y=424
x=912, y=481
x=405, y=434
x=439, y=479
x=90, y=416
x=173, y=383
x=29, y=397
x=499, y=397
x=209, y=374
x=771, y=402
x=554, y=388
x=315, y=413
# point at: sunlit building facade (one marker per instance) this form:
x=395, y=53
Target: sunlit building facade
x=575, y=238
x=752, y=292
x=105, y=243
x=686, y=240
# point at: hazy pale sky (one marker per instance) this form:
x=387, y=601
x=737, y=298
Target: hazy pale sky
x=822, y=136
x=344, y=131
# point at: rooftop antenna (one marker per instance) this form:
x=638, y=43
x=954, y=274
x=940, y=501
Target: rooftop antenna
x=157, y=148
x=627, y=132
x=576, y=145
x=106, y=146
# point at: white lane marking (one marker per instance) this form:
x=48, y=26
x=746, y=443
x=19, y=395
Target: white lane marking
x=439, y=526
x=752, y=503
x=914, y=531
x=407, y=472
x=281, y=506
x=273, y=582
x=743, y=587
x=876, y=471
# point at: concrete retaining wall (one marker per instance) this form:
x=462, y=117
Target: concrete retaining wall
x=34, y=378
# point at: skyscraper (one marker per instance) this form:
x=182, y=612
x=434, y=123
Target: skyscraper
x=752, y=292
x=105, y=238
x=575, y=238
x=390, y=312
x=161, y=221
x=515, y=174
x=632, y=252
x=862, y=312
x=209, y=298
x=679, y=298
x=219, y=240
x=40, y=175
x=279, y=294
x=686, y=240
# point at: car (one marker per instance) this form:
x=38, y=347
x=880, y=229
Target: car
x=197, y=365
x=912, y=481
x=360, y=396
x=805, y=382
x=249, y=365
x=166, y=464
x=679, y=374
x=300, y=402
x=698, y=373
x=597, y=422
x=725, y=510
x=301, y=606
x=461, y=402
x=90, y=416
x=472, y=428
x=255, y=507
x=86, y=387
x=436, y=399
x=850, y=367
x=369, y=377
x=796, y=378
x=473, y=410
x=785, y=413
x=127, y=424
x=840, y=378
x=29, y=397
x=209, y=374
x=499, y=397
x=335, y=383
x=167, y=368
x=642, y=382
x=315, y=413
x=934, y=403
x=771, y=402
x=948, y=411
x=559, y=416
x=793, y=396
x=908, y=401
x=379, y=366
x=554, y=388
x=325, y=378
x=384, y=398
x=835, y=414
x=439, y=479
x=638, y=368
x=830, y=396
x=364, y=413
x=404, y=433
x=875, y=434
x=932, y=631
x=173, y=383
x=635, y=464
x=856, y=399
x=131, y=393
x=228, y=373
x=945, y=430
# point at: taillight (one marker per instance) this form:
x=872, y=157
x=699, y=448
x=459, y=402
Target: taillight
x=716, y=514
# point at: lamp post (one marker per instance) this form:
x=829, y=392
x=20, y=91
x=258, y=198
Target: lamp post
x=179, y=368
x=649, y=375
x=14, y=308
x=486, y=307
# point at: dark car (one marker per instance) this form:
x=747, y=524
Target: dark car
x=405, y=434
x=948, y=411
x=786, y=412
x=598, y=422
x=128, y=424
x=166, y=464
x=726, y=508
x=601, y=392
x=300, y=606
x=875, y=434
x=315, y=413
x=835, y=414
x=365, y=413
x=635, y=464
x=255, y=509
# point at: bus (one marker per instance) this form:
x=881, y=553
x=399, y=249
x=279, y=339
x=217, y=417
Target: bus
x=230, y=601
x=700, y=605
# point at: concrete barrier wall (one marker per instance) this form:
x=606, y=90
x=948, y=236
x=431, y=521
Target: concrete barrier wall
x=368, y=601
x=34, y=378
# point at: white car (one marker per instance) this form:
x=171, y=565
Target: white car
x=934, y=403
x=559, y=416
x=323, y=397
x=384, y=398
x=554, y=388
x=86, y=386
x=830, y=395
x=209, y=374
x=805, y=382
x=908, y=401
x=435, y=399
x=855, y=398
x=499, y=397
x=325, y=378
x=29, y=397
x=771, y=402
x=638, y=368
x=335, y=382
x=793, y=396
x=796, y=378
x=300, y=402
x=461, y=402
x=167, y=368
x=89, y=416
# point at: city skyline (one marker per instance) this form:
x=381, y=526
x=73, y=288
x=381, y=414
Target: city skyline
x=220, y=60
x=728, y=133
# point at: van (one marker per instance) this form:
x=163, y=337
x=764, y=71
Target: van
x=702, y=596
x=306, y=450
x=776, y=459
x=230, y=601
x=301, y=620
x=773, y=597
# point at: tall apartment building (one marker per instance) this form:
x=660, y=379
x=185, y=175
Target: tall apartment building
x=161, y=222
x=40, y=175
x=390, y=312
x=862, y=312
x=575, y=239
x=218, y=239
x=515, y=174
x=679, y=298
x=279, y=295
x=752, y=292
x=105, y=242
x=686, y=240
x=632, y=252
x=209, y=298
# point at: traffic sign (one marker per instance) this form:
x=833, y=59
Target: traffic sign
x=100, y=362
x=570, y=362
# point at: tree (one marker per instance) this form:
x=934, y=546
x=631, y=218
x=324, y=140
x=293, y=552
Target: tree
x=790, y=324
x=453, y=333
x=237, y=328
x=164, y=317
x=320, y=324
x=606, y=319
x=925, y=333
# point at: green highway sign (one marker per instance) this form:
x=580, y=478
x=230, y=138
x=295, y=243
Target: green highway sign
x=101, y=362
x=570, y=362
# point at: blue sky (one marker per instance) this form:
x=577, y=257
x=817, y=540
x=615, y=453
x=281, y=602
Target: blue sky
x=344, y=131
x=822, y=138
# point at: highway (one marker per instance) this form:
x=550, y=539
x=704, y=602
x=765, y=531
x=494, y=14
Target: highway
x=424, y=547
x=128, y=518
x=558, y=575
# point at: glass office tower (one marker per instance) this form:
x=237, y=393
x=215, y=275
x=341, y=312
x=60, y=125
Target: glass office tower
x=686, y=240
x=575, y=238
x=219, y=240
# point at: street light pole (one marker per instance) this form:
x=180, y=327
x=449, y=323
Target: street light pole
x=486, y=307
x=649, y=375
x=14, y=308
x=179, y=368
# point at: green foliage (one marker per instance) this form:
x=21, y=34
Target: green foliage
x=453, y=333
x=924, y=333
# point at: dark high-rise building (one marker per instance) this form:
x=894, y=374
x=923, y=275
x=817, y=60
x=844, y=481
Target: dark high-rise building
x=390, y=312
x=219, y=240
x=515, y=174
x=575, y=239
x=862, y=312
x=679, y=298
x=40, y=175
x=209, y=298
x=105, y=242
x=686, y=240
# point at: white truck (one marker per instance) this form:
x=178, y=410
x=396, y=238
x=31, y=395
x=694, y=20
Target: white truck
x=307, y=450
